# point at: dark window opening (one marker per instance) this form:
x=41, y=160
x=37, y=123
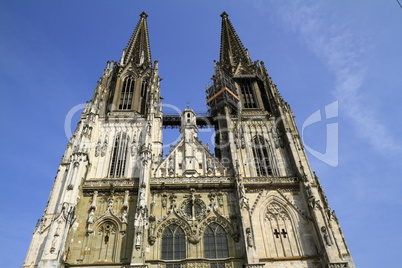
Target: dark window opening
x=261, y=157
x=119, y=155
x=144, y=88
x=215, y=242
x=247, y=92
x=126, y=96
x=173, y=243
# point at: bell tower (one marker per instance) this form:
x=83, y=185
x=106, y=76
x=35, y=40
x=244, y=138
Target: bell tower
x=285, y=217
x=98, y=207
x=131, y=84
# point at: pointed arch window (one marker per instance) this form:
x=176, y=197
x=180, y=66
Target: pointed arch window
x=144, y=88
x=215, y=242
x=247, y=92
x=127, y=91
x=281, y=233
x=106, y=241
x=261, y=157
x=119, y=156
x=173, y=243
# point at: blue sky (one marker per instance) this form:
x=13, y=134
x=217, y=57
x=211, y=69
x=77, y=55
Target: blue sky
x=317, y=52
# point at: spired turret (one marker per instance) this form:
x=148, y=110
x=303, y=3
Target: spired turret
x=130, y=86
x=283, y=215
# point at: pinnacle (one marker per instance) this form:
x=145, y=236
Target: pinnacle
x=138, y=47
x=224, y=15
x=232, y=50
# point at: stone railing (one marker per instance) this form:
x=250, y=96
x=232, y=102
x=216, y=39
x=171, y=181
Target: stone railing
x=113, y=266
x=179, y=180
x=198, y=264
x=104, y=183
x=255, y=265
x=338, y=265
x=272, y=180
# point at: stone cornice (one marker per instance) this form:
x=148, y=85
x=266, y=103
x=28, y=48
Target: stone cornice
x=100, y=184
x=179, y=182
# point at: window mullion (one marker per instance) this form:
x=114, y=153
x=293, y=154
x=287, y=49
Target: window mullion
x=117, y=173
x=126, y=82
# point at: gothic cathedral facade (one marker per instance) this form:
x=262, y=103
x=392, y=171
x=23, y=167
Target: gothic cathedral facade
x=117, y=201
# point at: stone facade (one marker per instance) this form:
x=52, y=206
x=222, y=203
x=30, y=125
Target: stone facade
x=117, y=202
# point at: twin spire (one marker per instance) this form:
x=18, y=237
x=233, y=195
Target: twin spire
x=138, y=49
x=232, y=51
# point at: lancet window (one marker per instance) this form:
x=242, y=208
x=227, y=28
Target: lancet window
x=280, y=231
x=127, y=91
x=119, y=156
x=106, y=240
x=144, y=88
x=247, y=92
x=215, y=242
x=261, y=156
x=173, y=243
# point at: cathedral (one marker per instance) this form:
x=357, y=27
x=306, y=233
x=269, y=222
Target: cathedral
x=119, y=201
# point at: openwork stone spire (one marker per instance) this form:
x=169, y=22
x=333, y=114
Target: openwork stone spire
x=138, y=49
x=232, y=50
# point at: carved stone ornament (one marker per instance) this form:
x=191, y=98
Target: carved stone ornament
x=224, y=223
x=250, y=242
x=138, y=240
x=338, y=265
x=98, y=149
x=193, y=210
x=91, y=216
x=276, y=211
x=104, y=148
x=184, y=225
x=327, y=239
x=164, y=201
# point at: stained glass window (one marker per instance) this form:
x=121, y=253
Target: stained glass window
x=173, y=243
x=215, y=242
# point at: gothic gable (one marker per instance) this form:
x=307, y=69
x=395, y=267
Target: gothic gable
x=175, y=165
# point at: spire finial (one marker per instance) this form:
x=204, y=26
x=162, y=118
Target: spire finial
x=232, y=50
x=138, y=49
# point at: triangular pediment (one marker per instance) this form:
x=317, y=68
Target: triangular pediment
x=176, y=163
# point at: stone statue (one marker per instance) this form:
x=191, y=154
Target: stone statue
x=171, y=165
x=138, y=240
x=91, y=216
x=104, y=147
x=124, y=217
x=249, y=238
x=326, y=236
x=110, y=202
x=164, y=201
x=98, y=149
